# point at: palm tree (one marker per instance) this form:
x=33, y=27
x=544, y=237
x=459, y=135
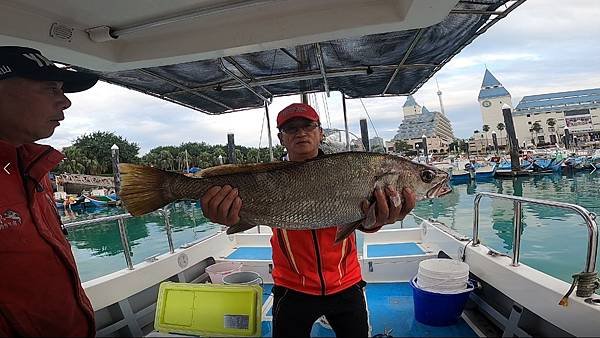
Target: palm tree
x=536, y=128
x=500, y=128
x=165, y=160
x=75, y=161
x=485, y=129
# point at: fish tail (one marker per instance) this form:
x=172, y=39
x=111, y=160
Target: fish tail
x=143, y=188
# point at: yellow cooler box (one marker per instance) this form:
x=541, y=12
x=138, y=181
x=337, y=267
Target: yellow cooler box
x=209, y=309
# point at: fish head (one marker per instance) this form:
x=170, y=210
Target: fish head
x=424, y=180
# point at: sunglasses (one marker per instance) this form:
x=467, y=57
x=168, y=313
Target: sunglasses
x=294, y=129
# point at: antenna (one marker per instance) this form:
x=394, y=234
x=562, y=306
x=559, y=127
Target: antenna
x=439, y=93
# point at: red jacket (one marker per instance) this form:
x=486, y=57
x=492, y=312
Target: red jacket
x=40, y=290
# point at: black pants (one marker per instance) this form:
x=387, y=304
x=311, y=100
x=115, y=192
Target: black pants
x=294, y=312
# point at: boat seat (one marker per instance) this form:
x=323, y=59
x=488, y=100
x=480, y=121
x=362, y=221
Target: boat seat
x=251, y=253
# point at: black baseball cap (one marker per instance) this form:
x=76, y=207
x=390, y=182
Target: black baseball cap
x=31, y=64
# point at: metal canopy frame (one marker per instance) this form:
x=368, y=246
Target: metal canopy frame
x=387, y=64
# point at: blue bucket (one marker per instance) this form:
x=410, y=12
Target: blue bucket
x=438, y=309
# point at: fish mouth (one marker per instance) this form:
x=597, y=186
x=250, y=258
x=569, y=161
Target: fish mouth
x=439, y=189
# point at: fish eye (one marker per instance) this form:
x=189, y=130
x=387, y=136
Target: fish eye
x=427, y=175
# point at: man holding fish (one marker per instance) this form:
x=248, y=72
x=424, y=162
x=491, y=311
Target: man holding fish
x=313, y=276
x=313, y=202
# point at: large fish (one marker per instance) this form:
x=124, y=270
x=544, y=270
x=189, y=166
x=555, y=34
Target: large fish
x=318, y=193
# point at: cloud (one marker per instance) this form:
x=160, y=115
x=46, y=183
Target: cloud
x=543, y=46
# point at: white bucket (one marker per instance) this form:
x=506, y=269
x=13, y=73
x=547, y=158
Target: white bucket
x=243, y=278
x=443, y=275
x=219, y=270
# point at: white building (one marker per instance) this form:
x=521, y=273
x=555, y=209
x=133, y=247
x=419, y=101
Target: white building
x=577, y=110
x=419, y=121
x=533, y=117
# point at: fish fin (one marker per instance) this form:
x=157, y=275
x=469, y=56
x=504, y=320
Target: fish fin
x=239, y=228
x=142, y=188
x=371, y=217
x=345, y=230
x=230, y=169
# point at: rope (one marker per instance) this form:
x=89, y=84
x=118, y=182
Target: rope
x=586, y=282
x=326, y=110
x=262, y=127
x=369, y=116
x=464, y=253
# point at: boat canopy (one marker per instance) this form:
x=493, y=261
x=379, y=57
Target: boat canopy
x=392, y=50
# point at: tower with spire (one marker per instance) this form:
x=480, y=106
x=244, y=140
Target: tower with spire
x=492, y=97
x=439, y=94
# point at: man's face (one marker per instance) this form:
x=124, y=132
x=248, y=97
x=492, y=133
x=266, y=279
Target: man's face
x=301, y=138
x=30, y=110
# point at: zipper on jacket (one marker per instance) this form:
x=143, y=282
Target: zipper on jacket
x=319, y=267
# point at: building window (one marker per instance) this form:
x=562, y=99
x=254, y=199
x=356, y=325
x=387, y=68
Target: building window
x=528, y=115
x=553, y=139
x=529, y=122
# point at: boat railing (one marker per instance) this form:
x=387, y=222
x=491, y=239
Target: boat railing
x=588, y=217
x=123, y=231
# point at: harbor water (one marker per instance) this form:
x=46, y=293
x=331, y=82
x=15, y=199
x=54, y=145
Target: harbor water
x=553, y=240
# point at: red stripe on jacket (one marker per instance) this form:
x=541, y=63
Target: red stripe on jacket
x=323, y=268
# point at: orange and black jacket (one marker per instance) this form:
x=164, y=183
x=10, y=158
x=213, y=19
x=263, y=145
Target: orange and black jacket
x=308, y=261
x=40, y=290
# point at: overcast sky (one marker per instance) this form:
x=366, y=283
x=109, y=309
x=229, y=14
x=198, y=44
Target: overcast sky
x=543, y=46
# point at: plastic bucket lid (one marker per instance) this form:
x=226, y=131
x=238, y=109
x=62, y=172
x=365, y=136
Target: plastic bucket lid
x=243, y=278
x=442, y=274
x=444, y=267
x=219, y=270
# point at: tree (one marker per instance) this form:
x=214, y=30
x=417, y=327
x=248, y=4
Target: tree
x=96, y=146
x=485, y=129
x=74, y=163
x=402, y=146
x=500, y=128
x=536, y=128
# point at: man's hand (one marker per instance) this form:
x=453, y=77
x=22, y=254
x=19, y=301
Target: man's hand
x=389, y=207
x=222, y=205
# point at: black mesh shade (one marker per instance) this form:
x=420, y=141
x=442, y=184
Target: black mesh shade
x=358, y=67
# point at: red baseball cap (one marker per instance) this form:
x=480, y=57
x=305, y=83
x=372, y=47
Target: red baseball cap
x=296, y=110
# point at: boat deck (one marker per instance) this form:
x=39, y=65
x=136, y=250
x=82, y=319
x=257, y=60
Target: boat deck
x=391, y=310
x=390, y=305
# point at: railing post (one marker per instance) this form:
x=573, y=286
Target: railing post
x=165, y=213
x=476, y=219
x=124, y=243
x=518, y=211
x=590, y=220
